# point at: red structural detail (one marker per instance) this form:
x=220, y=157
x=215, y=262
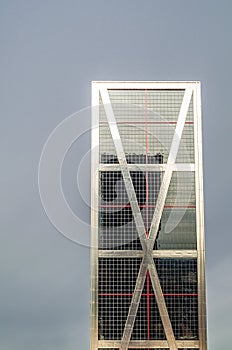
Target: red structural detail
x=146, y=164
x=115, y=294
x=148, y=305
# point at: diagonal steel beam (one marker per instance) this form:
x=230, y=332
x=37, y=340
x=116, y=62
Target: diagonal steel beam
x=162, y=306
x=169, y=167
x=147, y=244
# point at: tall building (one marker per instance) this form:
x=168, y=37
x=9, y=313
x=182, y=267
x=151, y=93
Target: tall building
x=147, y=255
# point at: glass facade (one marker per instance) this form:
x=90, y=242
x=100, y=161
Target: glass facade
x=147, y=258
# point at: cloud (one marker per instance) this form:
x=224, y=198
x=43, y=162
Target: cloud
x=219, y=288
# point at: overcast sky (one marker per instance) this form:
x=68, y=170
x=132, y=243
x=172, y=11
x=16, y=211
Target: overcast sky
x=50, y=52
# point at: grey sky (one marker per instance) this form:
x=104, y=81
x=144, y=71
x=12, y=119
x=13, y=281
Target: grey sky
x=51, y=50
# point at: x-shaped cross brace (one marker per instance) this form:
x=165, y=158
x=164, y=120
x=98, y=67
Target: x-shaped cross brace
x=147, y=242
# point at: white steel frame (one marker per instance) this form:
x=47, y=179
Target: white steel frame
x=147, y=254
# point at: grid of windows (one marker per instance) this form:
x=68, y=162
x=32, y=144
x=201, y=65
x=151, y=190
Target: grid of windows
x=178, y=278
x=117, y=278
x=178, y=223
x=117, y=227
x=146, y=121
x=148, y=324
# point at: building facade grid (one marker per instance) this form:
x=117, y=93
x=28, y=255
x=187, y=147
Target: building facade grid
x=147, y=255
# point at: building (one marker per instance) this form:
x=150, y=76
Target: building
x=147, y=255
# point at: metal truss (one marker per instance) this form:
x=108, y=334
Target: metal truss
x=147, y=243
x=147, y=239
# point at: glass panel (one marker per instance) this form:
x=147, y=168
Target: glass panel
x=117, y=278
x=178, y=279
x=148, y=324
x=178, y=222
x=117, y=227
x=146, y=121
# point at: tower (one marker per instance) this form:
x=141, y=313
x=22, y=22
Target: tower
x=147, y=255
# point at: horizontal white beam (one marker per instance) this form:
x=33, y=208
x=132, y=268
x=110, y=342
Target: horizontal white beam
x=159, y=85
x=140, y=254
x=149, y=167
x=191, y=344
